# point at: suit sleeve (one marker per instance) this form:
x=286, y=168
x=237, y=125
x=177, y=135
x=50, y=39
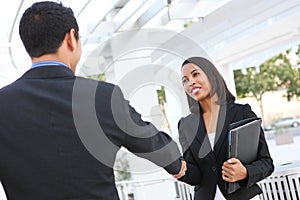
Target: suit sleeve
x=142, y=138
x=193, y=174
x=263, y=166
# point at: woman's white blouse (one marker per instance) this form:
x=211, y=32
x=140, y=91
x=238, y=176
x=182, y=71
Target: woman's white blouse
x=219, y=195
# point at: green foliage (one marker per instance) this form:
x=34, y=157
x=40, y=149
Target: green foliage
x=276, y=73
x=161, y=95
x=121, y=169
x=288, y=76
x=187, y=24
x=254, y=83
x=98, y=77
x=293, y=89
x=190, y=22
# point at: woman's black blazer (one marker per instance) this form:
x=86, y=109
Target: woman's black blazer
x=204, y=165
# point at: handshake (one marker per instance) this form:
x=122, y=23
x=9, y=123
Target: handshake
x=182, y=170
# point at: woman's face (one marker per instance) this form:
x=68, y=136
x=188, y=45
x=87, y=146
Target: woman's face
x=195, y=82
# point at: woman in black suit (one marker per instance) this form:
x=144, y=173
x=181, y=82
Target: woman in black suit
x=203, y=137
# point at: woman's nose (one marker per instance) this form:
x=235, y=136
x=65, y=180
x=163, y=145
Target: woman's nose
x=191, y=82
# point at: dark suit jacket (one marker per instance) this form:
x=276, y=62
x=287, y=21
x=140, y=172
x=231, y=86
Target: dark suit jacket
x=204, y=165
x=59, y=135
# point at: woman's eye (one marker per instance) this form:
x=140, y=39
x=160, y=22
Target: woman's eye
x=184, y=81
x=196, y=74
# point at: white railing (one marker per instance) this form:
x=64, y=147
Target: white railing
x=175, y=190
x=281, y=187
x=184, y=191
x=283, y=184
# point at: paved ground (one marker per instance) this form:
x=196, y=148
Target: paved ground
x=285, y=153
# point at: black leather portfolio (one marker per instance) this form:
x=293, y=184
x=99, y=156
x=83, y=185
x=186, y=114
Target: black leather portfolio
x=243, y=139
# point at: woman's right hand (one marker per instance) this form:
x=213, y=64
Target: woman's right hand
x=182, y=170
x=233, y=170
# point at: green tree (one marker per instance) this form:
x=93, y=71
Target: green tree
x=293, y=89
x=286, y=74
x=98, y=77
x=162, y=102
x=191, y=22
x=161, y=95
x=254, y=83
x=121, y=169
x=276, y=73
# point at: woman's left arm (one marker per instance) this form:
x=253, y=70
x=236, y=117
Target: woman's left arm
x=263, y=166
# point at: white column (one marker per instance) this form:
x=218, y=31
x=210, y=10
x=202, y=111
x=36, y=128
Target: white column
x=227, y=73
x=129, y=57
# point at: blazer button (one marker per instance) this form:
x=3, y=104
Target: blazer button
x=214, y=169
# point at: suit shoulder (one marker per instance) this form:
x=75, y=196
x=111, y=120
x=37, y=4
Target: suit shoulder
x=101, y=84
x=187, y=118
x=245, y=110
x=242, y=106
x=109, y=86
x=9, y=87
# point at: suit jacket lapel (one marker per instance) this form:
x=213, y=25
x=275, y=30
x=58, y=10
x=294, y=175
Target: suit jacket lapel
x=203, y=140
x=190, y=127
x=226, y=116
x=196, y=136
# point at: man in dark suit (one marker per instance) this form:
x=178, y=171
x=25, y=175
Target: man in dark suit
x=59, y=134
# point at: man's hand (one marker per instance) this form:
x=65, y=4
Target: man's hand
x=233, y=170
x=182, y=170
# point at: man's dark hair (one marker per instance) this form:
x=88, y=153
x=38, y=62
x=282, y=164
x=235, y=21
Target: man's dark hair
x=218, y=85
x=43, y=27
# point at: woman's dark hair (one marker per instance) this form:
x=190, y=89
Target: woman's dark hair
x=218, y=85
x=43, y=27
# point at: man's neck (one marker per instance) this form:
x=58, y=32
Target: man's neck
x=49, y=57
x=46, y=58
